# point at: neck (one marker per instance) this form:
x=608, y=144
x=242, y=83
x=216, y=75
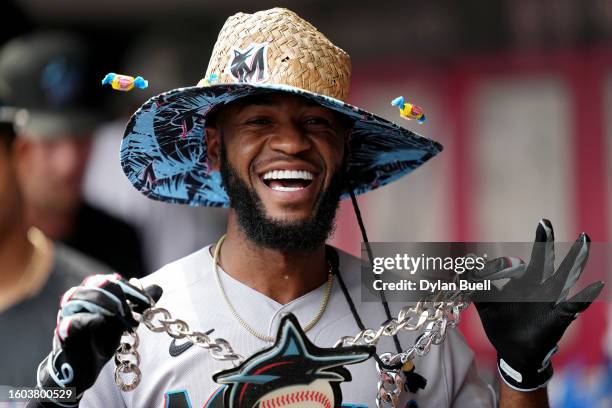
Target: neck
x=280, y=275
x=15, y=253
x=55, y=224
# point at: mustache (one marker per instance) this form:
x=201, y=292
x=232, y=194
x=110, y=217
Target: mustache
x=258, y=164
x=301, y=236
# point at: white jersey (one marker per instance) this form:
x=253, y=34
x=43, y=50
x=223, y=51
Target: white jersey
x=191, y=294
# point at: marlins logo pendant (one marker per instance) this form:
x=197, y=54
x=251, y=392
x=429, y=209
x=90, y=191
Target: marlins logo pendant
x=292, y=373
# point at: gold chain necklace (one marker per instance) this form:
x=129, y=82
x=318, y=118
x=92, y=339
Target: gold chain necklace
x=245, y=325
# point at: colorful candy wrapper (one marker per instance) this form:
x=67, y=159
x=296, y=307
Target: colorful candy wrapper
x=211, y=80
x=124, y=82
x=408, y=110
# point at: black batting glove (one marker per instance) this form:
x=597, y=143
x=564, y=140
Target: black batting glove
x=525, y=334
x=90, y=323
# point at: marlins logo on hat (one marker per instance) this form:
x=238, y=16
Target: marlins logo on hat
x=164, y=148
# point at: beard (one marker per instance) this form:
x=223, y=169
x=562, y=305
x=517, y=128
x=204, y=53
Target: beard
x=292, y=236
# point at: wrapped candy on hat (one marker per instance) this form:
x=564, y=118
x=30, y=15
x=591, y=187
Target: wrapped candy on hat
x=124, y=82
x=408, y=110
x=211, y=80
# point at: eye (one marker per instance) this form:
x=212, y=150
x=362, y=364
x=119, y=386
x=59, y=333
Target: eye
x=318, y=121
x=258, y=121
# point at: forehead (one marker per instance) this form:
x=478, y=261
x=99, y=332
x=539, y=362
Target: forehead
x=279, y=102
x=42, y=142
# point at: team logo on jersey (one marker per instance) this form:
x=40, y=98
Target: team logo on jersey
x=292, y=373
x=249, y=65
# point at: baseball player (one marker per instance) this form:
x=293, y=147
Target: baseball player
x=267, y=133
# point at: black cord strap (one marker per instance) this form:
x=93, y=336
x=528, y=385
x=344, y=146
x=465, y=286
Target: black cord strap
x=383, y=298
x=332, y=255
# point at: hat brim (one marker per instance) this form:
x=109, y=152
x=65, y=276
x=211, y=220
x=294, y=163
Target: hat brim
x=163, y=152
x=50, y=125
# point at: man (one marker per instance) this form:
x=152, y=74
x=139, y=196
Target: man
x=33, y=274
x=281, y=148
x=47, y=74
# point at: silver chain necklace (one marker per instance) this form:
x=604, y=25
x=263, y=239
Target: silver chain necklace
x=243, y=323
x=434, y=316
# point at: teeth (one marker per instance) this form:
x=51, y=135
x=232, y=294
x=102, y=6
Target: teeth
x=281, y=188
x=288, y=175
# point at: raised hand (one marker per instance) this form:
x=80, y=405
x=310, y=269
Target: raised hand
x=525, y=333
x=91, y=320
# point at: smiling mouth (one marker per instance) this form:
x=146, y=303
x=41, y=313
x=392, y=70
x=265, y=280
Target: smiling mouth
x=288, y=180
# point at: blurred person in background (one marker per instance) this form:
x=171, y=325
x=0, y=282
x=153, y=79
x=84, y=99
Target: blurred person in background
x=48, y=75
x=168, y=231
x=34, y=273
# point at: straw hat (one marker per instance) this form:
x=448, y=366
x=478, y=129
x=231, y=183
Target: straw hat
x=164, y=148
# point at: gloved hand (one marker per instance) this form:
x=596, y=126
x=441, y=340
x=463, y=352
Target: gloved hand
x=90, y=323
x=525, y=334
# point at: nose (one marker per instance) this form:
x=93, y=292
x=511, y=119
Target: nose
x=290, y=139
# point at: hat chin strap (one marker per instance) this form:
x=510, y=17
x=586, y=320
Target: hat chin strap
x=364, y=235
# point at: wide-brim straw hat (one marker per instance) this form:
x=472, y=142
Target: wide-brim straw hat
x=164, y=147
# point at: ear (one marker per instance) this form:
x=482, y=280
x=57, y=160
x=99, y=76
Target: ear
x=213, y=146
x=348, y=134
